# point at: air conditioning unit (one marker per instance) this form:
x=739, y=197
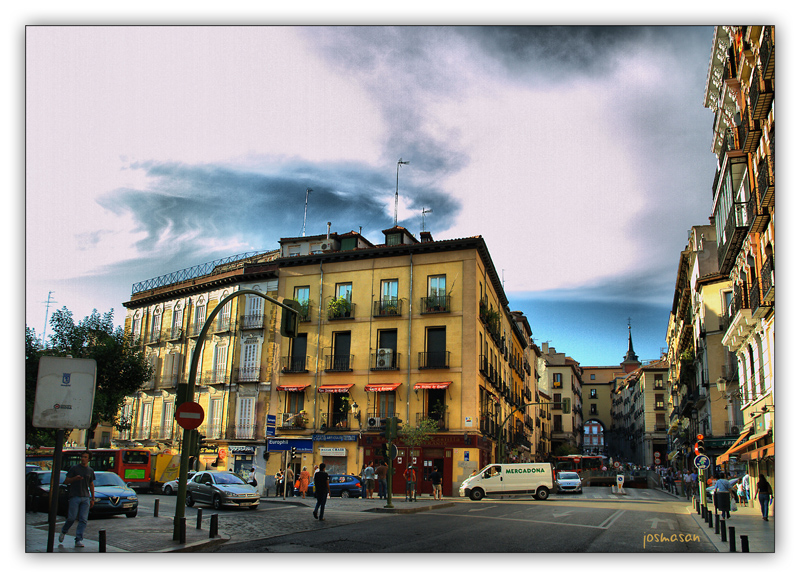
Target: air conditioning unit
x=373, y=422
x=384, y=358
x=326, y=246
x=735, y=430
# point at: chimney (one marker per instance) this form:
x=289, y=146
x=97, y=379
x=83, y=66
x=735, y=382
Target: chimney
x=329, y=230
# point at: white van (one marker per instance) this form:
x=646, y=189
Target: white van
x=496, y=479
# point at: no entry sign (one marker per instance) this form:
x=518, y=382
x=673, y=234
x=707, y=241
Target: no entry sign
x=189, y=415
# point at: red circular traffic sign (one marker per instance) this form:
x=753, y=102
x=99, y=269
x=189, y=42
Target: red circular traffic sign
x=189, y=415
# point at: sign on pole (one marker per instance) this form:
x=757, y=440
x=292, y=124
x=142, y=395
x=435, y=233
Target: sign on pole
x=189, y=415
x=702, y=462
x=64, y=393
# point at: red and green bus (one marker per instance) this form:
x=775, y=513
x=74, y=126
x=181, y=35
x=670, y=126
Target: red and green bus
x=133, y=465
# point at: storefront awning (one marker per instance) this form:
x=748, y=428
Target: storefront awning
x=734, y=447
x=751, y=454
x=339, y=388
x=672, y=455
x=292, y=387
x=381, y=386
x=432, y=384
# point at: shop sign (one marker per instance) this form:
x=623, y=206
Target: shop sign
x=334, y=438
x=332, y=451
x=286, y=444
x=242, y=449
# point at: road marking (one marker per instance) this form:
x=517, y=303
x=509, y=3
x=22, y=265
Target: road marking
x=567, y=513
x=481, y=509
x=655, y=522
x=524, y=520
x=606, y=524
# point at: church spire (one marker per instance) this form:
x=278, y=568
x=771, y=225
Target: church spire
x=631, y=359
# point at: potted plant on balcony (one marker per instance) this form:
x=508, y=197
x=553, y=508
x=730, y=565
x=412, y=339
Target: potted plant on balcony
x=388, y=307
x=338, y=308
x=303, y=310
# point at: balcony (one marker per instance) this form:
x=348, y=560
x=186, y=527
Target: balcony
x=384, y=360
x=292, y=421
x=768, y=280
x=248, y=373
x=765, y=184
x=733, y=428
x=168, y=380
x=752, y=132
x=489, y=426
x=174, y=334
x=335, y=363
x=441, y=419
x=766, y=53
x=435, y=304
x=339, y=421
x=762, y=93
x=221, y=324
x=434, y=360
x=387, y=308
x=245, y=431
x=292, y=364
x=341, y=309
x=252, y=322
x=736, y=228
x=212, y=377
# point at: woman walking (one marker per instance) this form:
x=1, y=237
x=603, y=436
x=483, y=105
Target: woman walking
x=304, y=479
x=764, y=491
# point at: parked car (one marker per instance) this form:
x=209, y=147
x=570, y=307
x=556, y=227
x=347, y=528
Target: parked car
x=37, y=489
x=344, y=486
x=221, y=489
x=171, y=487
x=112, y=496
x=569, y=482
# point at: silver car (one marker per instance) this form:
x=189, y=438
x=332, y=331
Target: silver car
x=569, y=482
x=221, y=489
x=171, y=487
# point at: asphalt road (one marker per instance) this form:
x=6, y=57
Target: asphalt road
x=641, y=521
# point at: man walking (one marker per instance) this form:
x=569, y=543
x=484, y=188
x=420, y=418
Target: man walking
x=411, y=482
x=80, y=479
x=436, y=480
x=380, y=472
x=369, y=480
x=321, y=490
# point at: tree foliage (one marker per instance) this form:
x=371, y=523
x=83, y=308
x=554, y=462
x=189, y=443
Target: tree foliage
x=121, y=367
x=414, y=436
x=566, y=449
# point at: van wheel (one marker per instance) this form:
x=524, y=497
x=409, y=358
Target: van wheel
x=542, y=493
x=476, y=494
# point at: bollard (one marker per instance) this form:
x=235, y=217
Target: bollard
x=212, y=531
x=698, y=507
x=745, y=544
x=102, y=540
x=199, y=518
x=716, y=524
x=732, y=538
x=182, y=531
x=711, y=519
x=723, y=532
x=155, y=509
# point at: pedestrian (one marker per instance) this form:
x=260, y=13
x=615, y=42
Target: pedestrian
x=321, y=490
x=380, y=473
x=764, y=492
x=687, y=482
x=80, y=479
x=722, y=496
x=746, y=484
x=436, y=480
x=289, y=481
x=362, y=475
x=693, y=479
x=304, y=478
x=369, y=480
x=251, y=479
x=279, y=483
x=411, y=481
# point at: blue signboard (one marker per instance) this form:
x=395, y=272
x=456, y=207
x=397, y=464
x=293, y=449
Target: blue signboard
x=702, y=462
x=286, y=444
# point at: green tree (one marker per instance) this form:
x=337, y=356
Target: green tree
x=413, y=436
x=566, y=449
x=121, y=366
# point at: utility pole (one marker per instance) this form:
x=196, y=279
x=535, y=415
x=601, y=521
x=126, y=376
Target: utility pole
x=397, y=187
x=46, y=314
x=305, y=211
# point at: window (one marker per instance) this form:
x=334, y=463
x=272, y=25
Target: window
x=220, y=361
x=384, y=404
x=388, y=304
x=253, y=313
x=592, y=377
x=214, y=420
x=146, y=419
x=302, y=296
x=177, y=321
x=437, y=294
x=344, y=290
x=348, y=244
x=393, y=239
x=340, y=360
x=250, y=362
x=556, y=398
x=167, y=419
x=245, y=428
x=593, y=394
x=199, y=315
x=294, y=402
x=436, y=354
x=155, y=328
x=593, y=409
x=557, y=380
x=224, y=316
x=136, y=325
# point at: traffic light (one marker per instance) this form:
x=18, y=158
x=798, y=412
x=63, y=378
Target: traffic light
x=385, y=427
x=700, y=446
x=393, y=425
x=294, y=452
x=201, y=442
x=565, y=405
x=194, y=445
x=289, y=318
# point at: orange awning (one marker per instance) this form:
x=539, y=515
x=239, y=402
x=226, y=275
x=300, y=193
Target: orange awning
x=432, y=384
x=292, y=387
x=340, y=388
x=734, y=447
x=763, y=452
x=381, y=386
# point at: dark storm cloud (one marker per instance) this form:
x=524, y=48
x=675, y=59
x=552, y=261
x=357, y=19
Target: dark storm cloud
x=185, y=202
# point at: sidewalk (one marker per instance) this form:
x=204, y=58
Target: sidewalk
x=141, y=534
x=747, y=522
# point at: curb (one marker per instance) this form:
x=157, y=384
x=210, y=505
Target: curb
x=195, y=546
x=413, y=510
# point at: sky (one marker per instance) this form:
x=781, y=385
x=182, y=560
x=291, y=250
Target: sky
x=581, y=155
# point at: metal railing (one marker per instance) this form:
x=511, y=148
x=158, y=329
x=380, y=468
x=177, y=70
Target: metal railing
x=248, y=373
x=384, y=361
x=434, y=359
x=245, y=432
x=339, y=363
x=252, y=321
x=339, y=420
x=435, y=304
x=291, y=364
x=387, y=307
x=292, y=421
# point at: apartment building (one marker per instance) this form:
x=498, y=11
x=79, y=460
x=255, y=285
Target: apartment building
x=412, y=328
x=740, y=89
x=599, y=385
x=562, y=377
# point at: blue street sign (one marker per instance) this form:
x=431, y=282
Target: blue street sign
x=702, y=462
x=271, y=419
x=286, y=445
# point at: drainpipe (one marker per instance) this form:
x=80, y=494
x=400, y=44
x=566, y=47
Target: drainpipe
x=319, y=338
x=410, y=311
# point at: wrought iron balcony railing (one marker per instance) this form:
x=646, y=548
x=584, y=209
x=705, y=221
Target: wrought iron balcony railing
x=434, y=360
x=294, y=364
x=388, y=307
x=435, y=304
x=339, y=363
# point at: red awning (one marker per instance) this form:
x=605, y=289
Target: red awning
x=734, y=448
x=432, y=384
x=339, y=388
x=381, y=386
x=292, y=387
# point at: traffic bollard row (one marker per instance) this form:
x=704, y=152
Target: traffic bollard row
x=732, y=538
x=155, y=509
x=102, y=540
x=199, y=518
x=745, y=544
x=212, y=531
x=722, y=531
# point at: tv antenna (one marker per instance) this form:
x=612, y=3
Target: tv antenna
x=397, y=187
x=305, y=211
x=46, y=313
x=424, y=212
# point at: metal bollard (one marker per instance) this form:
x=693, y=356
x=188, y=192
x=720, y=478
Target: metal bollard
x=716, y=524
x=723, y=532
x=698, y=507
x=102, y=540
x=155, y=508
x=711, y=519
x=182, y=531
x=745, y=544
x=212, y=531
x=199, y=518
x=732, y=538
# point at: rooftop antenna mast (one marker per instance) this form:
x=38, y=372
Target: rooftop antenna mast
x=397, y=187
x=46, y=313
x=424, y=212
x=305, y=212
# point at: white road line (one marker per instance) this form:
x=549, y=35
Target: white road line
x=606, y=524
x=526, y=521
